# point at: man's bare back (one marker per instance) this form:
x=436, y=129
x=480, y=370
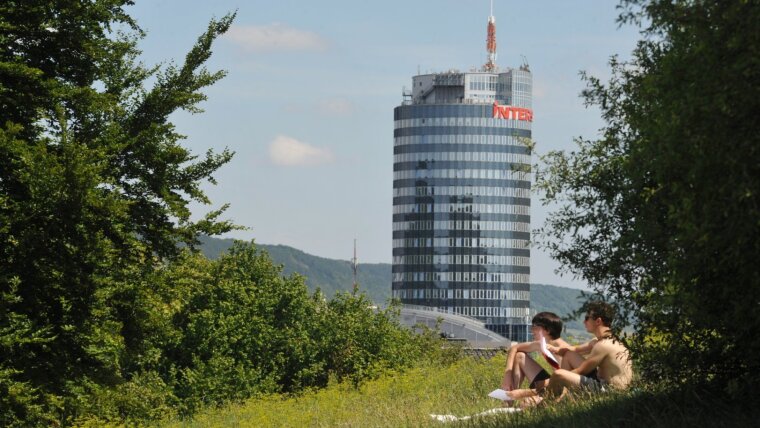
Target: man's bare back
x=614, y=362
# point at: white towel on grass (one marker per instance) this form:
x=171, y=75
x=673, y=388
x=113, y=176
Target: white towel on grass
x=452, y=418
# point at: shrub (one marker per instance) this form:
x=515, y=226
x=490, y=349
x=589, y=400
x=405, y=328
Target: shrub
x=244, y=330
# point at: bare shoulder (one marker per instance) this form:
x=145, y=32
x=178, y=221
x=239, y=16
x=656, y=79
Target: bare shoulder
x=601, y=346
x=590, y=344
x=610, y=345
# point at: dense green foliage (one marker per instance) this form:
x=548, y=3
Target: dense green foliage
x=102, y=315
x=205, y=333
x=235, y=327
x=661, y=213
x=94, y=191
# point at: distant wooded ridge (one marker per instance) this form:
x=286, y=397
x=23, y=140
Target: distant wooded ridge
x=330, y=276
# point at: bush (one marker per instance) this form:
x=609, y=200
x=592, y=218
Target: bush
x=145, y=397
x=243, y=329
x=357, y=341
x=21, y=404
x=198, y=333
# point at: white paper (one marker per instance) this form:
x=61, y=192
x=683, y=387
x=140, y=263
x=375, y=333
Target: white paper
x=500, y=394
x=547, y=354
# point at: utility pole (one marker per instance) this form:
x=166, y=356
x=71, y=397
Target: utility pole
x=355, y=267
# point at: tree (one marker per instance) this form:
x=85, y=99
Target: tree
x=661, y=213
x=235, y=327
x=94, y=188
x=243, y=327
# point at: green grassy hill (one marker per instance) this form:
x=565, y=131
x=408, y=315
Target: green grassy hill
x=409, y=399
x=375, y=278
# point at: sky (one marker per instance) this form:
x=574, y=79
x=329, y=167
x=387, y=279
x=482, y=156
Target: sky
x=307, y=104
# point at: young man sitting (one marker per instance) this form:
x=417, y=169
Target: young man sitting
x=608, y=357
x=521, y=366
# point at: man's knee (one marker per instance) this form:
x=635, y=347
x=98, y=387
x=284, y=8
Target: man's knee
x=520, y=360
x=571, y=360
x=561, y=376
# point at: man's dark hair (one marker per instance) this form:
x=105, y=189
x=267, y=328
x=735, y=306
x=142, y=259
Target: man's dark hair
x=599, y=309
x=549, y=321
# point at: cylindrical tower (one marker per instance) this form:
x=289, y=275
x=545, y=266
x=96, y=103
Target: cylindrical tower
x=461, y=197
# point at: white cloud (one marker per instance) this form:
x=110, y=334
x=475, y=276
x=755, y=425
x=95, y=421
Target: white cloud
x=287, y=151
x=274, y=37
x=336, y=107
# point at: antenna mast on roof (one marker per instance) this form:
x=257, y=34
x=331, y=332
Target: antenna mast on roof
x=491, y=43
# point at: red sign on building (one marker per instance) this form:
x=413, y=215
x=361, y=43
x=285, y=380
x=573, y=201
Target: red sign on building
x=509, y=112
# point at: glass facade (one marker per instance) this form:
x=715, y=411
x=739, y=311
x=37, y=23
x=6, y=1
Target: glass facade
x=461, y=198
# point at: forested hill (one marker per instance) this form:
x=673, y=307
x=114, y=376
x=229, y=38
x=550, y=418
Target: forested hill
x=332, y=275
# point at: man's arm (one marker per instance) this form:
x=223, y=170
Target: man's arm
x=598, y=352
x=582, y=349
x=521, y=347
x=585, y=348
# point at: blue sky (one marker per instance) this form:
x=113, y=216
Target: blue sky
x=308, y=102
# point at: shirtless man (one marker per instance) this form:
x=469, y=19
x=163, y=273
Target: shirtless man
x=607, y=355
x=521, y=366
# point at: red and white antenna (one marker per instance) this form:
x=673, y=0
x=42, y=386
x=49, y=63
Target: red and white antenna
x=491, y=43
